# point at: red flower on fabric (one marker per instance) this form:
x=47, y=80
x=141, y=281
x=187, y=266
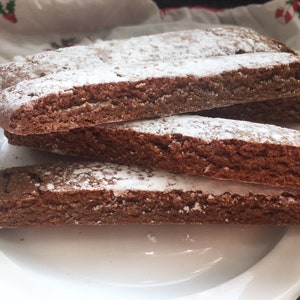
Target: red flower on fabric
x=8, y=12
x=285, y=14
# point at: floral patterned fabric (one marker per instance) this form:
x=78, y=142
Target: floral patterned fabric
x=31, y=26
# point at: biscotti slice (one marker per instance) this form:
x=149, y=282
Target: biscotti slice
x=190, y=44
x=90, y=193
x=277, y=111
x=92, y=96
x=212, y=147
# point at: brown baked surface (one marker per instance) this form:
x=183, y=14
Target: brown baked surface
x=61, y=101
x=104, y=103
x=88, y=193
x=234, y=150
x=192, y=44
x=156, y=78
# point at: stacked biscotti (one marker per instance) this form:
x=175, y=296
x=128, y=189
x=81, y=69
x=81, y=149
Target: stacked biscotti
x=158, y=123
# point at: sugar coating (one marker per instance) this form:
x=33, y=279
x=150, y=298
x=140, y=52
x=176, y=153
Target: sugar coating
x=191, y=52
x=190, y=44
x=121, y=178
x=209, y=129
x=63, y=82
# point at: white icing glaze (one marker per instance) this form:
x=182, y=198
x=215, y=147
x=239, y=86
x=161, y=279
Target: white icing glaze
x=63, y=82
x=120, y=178
x=208, y=129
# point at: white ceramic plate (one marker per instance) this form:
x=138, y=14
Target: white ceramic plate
x=145, y=262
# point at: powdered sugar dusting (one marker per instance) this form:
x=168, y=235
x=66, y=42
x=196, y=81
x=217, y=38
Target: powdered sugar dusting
x=160, y=47
x=119, y=178
x=209, y=129
x=63, y=82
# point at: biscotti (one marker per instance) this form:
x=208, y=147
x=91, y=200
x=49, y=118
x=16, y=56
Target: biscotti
x=190, y=44
x=90, y=193
x=212, y=147
x=277, y=111
x=107, y=92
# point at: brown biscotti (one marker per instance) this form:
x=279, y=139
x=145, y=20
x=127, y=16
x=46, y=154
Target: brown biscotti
x=212, y=147
x=90, y=193
x=277, y=111
x=190, y=44
x=150, y=85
